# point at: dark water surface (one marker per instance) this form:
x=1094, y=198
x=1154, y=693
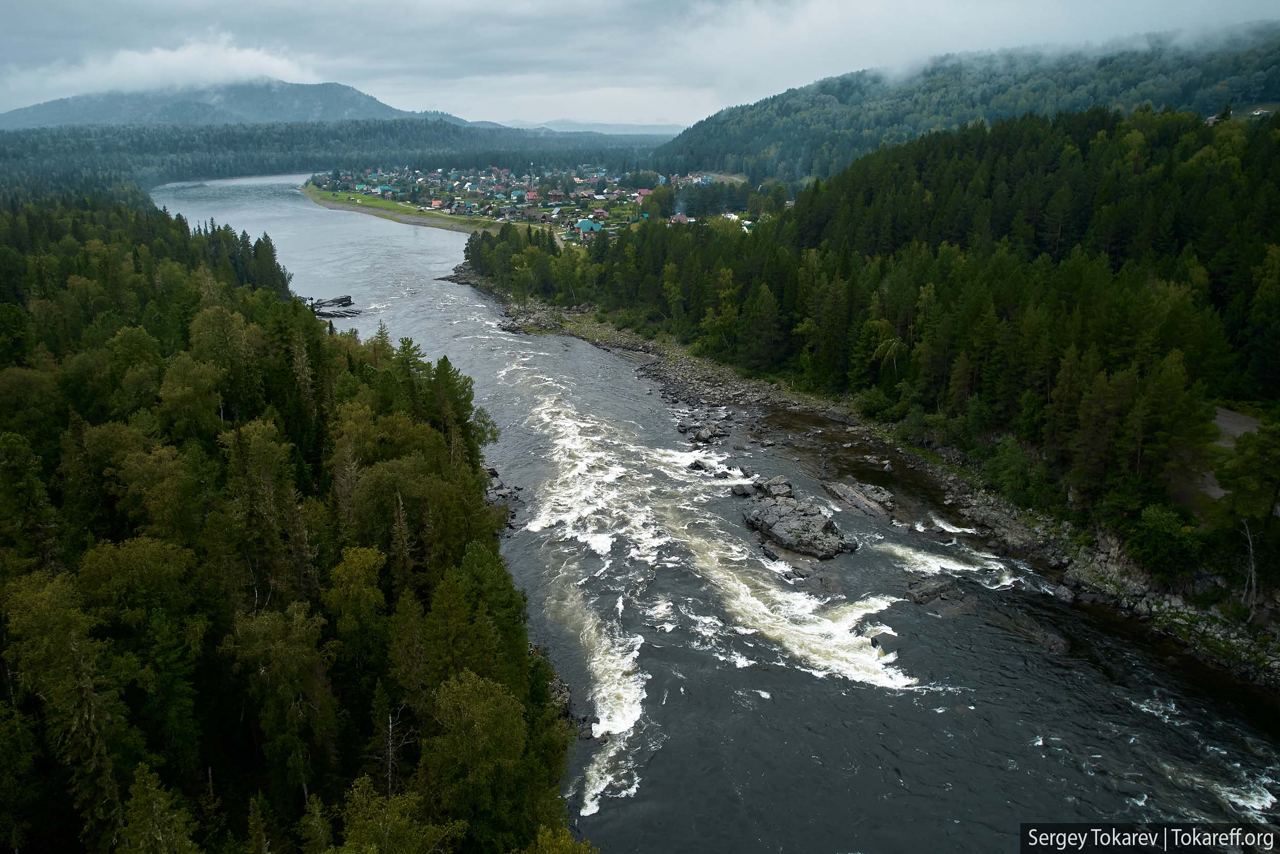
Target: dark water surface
x=738, y=711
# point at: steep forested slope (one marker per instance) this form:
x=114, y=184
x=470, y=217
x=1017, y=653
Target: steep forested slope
x=817, y=130
x=250, y=594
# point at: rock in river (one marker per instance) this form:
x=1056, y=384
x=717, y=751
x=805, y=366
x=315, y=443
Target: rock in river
x=777, y=487
x=874, y=501
x=794, y=523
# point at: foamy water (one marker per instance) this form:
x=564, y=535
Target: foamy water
x=626, y=510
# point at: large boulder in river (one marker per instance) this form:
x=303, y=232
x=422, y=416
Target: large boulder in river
x=798, y=525
x=777, y=487
x=874, y=501
x=706, y=434
x=924, y=591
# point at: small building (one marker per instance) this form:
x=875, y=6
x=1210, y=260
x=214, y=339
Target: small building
x=588, y=226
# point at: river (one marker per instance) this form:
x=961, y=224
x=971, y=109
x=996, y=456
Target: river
x=741, y=711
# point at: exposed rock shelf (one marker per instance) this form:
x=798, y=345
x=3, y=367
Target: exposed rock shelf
x=874, y=501
x=800, y=525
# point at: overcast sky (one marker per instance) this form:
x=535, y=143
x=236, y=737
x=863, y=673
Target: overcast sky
x=672, y=61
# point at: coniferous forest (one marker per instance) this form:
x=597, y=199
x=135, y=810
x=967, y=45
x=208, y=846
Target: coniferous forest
x=251, y=594
x=1061, y=298
x=815, y=131
x=894, y=461
x=85, y=157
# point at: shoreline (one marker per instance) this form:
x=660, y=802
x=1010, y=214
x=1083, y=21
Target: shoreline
x=426, y=219
x=1090, y=566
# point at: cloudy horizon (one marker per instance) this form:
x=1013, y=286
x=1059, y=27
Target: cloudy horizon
x=649, y=62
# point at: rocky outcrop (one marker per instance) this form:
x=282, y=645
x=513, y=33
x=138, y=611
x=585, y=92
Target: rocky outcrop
x=703, y=427
x=796, y=524
x=532, y=318
x=561, y=699
x=499, y=494
x=334, y=307
x=1103, y=573
x=925, y=591
x=874, y=501
x=945, y=595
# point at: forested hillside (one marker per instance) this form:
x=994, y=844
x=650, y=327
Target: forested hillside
x=250, y=102
x=1059, y=297
x=818, y=130
x=86, y=157
x=250, y=590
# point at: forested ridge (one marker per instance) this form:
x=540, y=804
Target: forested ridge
x=83, y=158
x=1061, y=298
x=250, y=101
x=816, y=131
x=250, y=592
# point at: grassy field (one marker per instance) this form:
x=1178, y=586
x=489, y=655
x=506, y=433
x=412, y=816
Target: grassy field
x=398, y=211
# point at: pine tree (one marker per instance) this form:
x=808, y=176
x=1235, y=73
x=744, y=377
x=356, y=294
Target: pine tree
x=153, y=823
x=759, y=331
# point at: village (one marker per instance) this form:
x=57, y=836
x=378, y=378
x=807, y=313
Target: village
x=577, y=203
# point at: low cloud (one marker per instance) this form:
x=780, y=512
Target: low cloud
x=795, y=42
x=212, y=60
x=608, y=60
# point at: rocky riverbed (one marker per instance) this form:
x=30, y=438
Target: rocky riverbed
x=1089, y=567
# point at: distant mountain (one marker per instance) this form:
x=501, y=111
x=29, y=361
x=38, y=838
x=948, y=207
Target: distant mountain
x=612, y=129
x=817, y=130
x=254, y=102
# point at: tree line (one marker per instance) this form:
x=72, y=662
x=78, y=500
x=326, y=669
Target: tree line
x=250, y=591
x=1061, y=298
x=815, y=131
x=83, y=158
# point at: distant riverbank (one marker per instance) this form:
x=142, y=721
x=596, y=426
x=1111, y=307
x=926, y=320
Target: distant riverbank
x=400, y=213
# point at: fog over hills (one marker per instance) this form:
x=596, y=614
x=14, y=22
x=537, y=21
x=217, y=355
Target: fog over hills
x=253, y=102
x=573, y=126
x=818, y=129
x=265, y=101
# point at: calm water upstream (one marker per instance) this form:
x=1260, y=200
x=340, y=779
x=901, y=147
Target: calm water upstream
x=738, y=712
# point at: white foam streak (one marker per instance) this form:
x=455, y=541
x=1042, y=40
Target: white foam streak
x=822, y=637
x=943, y=525
x=608, y=491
